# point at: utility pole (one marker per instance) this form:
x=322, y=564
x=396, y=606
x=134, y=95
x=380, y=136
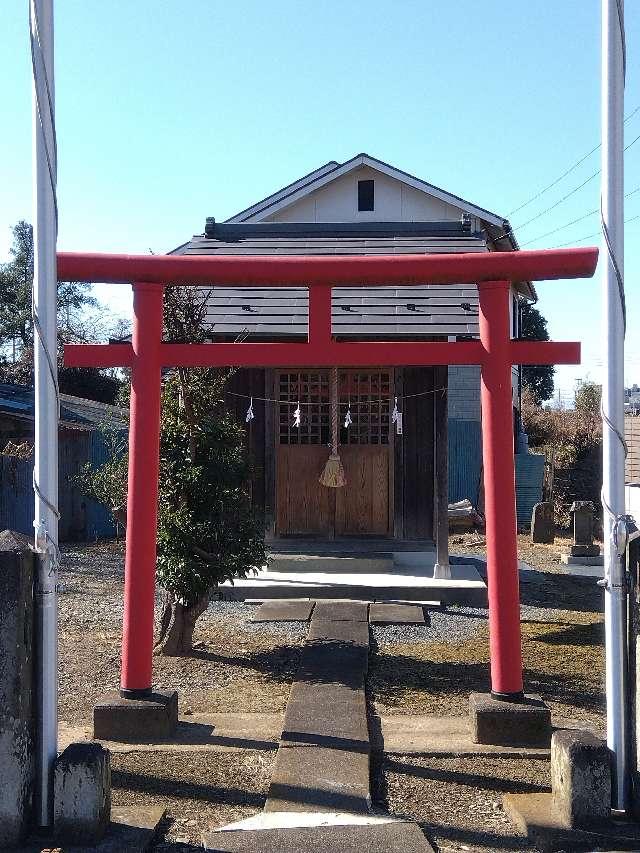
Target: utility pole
x=45, y=475
x=613, y=446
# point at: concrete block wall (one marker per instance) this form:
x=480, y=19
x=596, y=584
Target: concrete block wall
x=464, y=393
x=17, y=566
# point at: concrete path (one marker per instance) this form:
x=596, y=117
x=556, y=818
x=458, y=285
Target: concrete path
x=319, y=797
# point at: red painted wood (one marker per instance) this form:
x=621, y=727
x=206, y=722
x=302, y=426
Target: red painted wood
x=319, y=315
x=545, y=352
x=346, y=354
x=499, y=490
x=98, y=355
x=142, y=492
x=352, y=270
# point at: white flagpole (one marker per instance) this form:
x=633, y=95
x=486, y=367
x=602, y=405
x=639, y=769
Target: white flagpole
x=45, y=475
x=614, y=321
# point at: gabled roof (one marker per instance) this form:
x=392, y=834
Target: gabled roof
x=332, y=170
x=17, y=401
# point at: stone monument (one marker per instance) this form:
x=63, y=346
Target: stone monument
x=583, y=552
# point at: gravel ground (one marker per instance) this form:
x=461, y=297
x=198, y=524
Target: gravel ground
x=236, y=665
x=200, y=791
x=458, y=801
x=431, y=669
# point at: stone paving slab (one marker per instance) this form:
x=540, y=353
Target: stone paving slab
x=284, y=611
x=396, y=837
x=338, y=611
x=319, y=779
x=356, y=633
x=326, y=694
x=396, y=614
x=325, y=662
x=339, y=725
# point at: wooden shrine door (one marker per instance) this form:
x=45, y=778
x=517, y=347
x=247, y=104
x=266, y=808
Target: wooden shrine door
x=363, y=506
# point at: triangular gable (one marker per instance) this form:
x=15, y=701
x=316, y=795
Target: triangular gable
x=332, y=171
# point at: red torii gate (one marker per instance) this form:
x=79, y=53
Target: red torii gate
x=495, y=352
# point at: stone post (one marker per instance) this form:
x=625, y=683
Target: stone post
x=17, y=561
x=82, y=794
x=580, y=778
x=542, y=523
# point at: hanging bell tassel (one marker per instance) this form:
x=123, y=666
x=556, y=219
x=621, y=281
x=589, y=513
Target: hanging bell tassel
x=333, y=474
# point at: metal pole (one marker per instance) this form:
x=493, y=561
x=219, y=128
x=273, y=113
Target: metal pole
x=613, y=314
x=45, y=475
x=142, y=493
x=500, y=491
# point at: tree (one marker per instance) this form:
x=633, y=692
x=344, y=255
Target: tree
x=588, y=395
x=79, y=320
x=207, y=530
x=537, y=378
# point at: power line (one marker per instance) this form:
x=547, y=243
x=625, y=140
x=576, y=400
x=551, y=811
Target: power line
x=567, y=172
x=573, y=221
x=564, y=198
x=570, y=193
x=591, y=236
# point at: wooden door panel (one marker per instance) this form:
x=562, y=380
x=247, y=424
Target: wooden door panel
x=303, y=505
x=362, y=506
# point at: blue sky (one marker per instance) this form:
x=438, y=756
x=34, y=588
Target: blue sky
x=168, y=112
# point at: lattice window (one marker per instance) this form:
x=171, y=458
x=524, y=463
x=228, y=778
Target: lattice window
x=311, y=389
x=369, y=393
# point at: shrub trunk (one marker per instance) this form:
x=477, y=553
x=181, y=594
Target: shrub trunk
x=176, y=625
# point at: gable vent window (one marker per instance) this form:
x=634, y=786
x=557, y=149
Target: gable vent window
x=365, y=195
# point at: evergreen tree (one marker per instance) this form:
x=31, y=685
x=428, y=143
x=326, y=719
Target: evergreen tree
x=207, y=530
x=78, y=321
x=537, y=378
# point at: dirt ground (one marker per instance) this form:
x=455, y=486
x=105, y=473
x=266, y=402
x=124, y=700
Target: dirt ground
x=237, y=666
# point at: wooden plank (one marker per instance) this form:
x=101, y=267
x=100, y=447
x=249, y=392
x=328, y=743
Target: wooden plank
x=398, y=466
x=302, y=504
x=441, y=464
x=270, y=438
x=362, y=506
x=417, y=442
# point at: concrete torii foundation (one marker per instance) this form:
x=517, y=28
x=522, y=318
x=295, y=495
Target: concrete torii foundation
x=503, y=716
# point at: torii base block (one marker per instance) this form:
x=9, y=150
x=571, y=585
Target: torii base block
x=150, y=719
x=499, y=721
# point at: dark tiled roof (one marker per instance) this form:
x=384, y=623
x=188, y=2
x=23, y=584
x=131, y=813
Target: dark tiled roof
x=421, y=311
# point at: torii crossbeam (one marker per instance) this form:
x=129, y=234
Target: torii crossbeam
x=495, y=352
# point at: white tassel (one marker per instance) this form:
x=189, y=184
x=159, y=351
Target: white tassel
x=250, y=416
x=348, y=419
x=297, y=416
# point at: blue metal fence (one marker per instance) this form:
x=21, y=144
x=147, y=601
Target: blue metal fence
x=465, y=470
x=81, y=519
x=465, y=460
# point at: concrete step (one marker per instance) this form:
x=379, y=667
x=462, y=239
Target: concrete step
x=465, y=586
x=330, y=563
